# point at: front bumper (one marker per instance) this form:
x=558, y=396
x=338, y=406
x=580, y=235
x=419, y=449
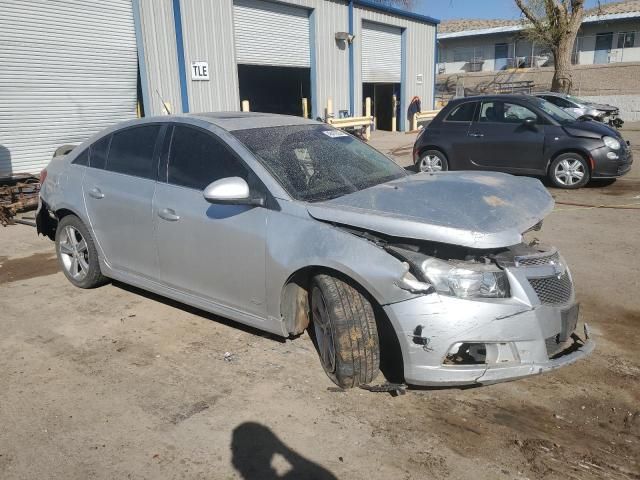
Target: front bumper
x=518, y=328
x=607, y=168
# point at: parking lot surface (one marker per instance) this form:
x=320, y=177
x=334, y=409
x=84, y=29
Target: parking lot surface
x=119, y=383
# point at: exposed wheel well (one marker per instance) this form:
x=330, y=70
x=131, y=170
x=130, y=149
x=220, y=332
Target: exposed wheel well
x=295, y=311
x=585, y=156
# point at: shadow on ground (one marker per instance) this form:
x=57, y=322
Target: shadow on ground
x=254, y=448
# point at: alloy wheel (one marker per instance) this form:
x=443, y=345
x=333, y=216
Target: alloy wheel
x=430, y=163
x=323, y=331
x=569, y=172
x=74, y=253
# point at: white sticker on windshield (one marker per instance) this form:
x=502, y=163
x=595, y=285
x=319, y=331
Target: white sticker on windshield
x=334, y=133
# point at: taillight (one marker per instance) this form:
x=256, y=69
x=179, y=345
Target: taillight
x=43, y=176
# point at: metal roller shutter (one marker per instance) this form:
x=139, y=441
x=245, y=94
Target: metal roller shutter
x=269, y=33
x=67, y=69
x=381, y=53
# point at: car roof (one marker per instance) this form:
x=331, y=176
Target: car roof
x=501, y=96
x=245, y=120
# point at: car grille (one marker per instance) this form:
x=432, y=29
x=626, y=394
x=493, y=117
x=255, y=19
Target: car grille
x=553, y=290
x=536, y=261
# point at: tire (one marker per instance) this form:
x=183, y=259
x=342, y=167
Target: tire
x=77, y=253
x=344, y=332
x=569, y=171
x=432, y=161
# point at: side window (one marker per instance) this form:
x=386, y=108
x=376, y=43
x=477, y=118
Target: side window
x=198, y=158
x=560, y=102
x=462, y=113
x=131, y=151
x=82, y=159
x=503, y=112
x=99, y=152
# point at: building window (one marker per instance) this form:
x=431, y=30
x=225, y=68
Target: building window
x=626, y=39
x=462, y=54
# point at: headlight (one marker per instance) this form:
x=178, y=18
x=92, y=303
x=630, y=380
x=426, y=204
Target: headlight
x=468, y=280
x=611, y=142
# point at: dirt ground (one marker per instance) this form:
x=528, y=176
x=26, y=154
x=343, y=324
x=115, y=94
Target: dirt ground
x=118, y=383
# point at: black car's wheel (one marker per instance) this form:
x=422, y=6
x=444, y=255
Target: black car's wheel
x=432, y=161
x=344, y=331
x=569, y=170
x=77, y=254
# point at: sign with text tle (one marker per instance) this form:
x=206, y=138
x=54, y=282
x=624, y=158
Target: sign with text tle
x=199, y=70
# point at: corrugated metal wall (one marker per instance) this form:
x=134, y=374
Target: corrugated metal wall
x=67, y=70
x=209, y=36
x=161, y=60
x=420, y=50
x=207, y=27
x=268, y=33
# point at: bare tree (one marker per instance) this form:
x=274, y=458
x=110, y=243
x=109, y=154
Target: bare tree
x=554, y=24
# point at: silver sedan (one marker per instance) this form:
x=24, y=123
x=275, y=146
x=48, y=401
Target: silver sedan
x=287, y=224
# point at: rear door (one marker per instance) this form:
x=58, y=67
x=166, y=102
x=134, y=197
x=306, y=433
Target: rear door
x=213, y=251
x=501, y=141
x=118, y=189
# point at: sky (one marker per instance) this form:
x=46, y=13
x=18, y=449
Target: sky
x=450, y=9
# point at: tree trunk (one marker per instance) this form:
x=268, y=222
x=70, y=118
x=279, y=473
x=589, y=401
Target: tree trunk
x=563, y=76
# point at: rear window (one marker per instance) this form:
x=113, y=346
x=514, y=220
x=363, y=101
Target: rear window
x=99, y=152
x=131, y=151
x=462, y=113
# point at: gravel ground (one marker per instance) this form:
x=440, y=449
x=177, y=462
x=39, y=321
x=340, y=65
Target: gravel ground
x=119, y=383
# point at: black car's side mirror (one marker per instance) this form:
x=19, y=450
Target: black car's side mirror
x=530, y=123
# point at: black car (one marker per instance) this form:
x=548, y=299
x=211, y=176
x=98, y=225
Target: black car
x=521, y=134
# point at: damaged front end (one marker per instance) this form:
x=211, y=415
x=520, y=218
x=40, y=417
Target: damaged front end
x=486, y=315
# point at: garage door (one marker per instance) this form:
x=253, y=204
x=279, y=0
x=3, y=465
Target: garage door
x=68, y=69
x=381, y=53
x=269, y=33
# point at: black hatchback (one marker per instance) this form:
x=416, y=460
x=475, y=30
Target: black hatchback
x=521, y=134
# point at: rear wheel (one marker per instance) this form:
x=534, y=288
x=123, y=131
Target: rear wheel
x=569, y=170
x=344, y=332
x=432, y=161
x=77, y=253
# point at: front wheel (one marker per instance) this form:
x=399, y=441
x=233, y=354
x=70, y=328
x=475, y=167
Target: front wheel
x=569, y=170
x=77, y=253
x=432, y=161
x=344, y=332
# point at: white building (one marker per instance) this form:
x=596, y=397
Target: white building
x=610, y=34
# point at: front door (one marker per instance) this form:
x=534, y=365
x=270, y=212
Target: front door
x=212, y=251
x=603, y=48
x=118, y=190
x=501, y=56
x=503, y=141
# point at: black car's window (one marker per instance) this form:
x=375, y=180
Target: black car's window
x=99, y=152
x=83, y=158
x=131, y=151
x=560, y=102
x=317, y=162
x=462, y=113
x=504, y=112
x=197, y=158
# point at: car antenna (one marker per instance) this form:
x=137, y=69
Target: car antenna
x=165, y=105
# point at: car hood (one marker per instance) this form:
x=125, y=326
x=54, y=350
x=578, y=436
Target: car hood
x=602, y=106
x=589, y=129
x=476, y=210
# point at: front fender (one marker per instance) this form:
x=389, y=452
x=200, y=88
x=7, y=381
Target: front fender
x=296, y=241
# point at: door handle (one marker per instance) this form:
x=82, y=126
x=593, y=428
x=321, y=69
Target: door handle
x=95, y=192
x=476, y=134
x=168, y=214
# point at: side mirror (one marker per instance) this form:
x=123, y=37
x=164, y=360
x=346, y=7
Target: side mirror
x=530, y=123
x=231, y=191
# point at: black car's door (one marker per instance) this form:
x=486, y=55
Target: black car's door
x=501, y=140
x=452, y=135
